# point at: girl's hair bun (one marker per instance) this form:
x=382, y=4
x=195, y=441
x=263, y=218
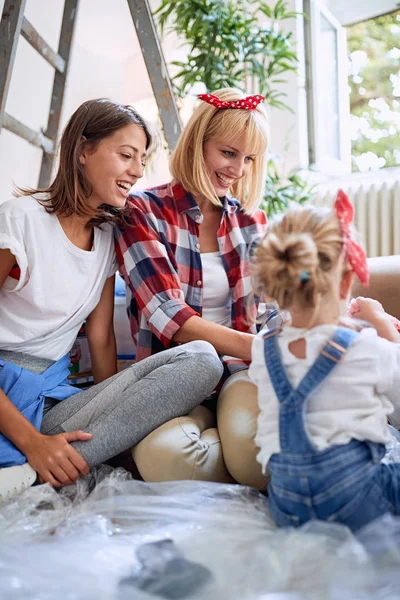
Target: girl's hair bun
x=293, y=261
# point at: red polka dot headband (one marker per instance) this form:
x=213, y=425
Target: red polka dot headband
x=248, y=103
x=356, y=256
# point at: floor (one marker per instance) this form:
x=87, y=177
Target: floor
x=111, y=537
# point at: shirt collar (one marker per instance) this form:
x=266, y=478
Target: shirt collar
x=185, y=202
x=231, y=205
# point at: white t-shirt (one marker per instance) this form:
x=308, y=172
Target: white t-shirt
x=217, y=303
x=59, y=285
x=352, y=403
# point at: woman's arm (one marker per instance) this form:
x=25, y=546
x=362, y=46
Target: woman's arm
x=7, y=261
x=100, y=334
x=52, y=457
x=225, y=340
x=146, y=265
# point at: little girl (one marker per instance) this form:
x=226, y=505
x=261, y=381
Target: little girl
x=325, y=390
x=57, y=265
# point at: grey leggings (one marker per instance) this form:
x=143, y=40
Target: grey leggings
x=122, y=410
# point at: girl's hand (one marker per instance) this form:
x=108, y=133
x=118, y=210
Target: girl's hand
x=366, y=309
x=55, y=460
x=373, y=312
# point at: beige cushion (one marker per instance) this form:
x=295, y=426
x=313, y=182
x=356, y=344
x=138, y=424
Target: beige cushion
x=237, y=413
x=190, y=447
x=183, y=448
x=384, y=283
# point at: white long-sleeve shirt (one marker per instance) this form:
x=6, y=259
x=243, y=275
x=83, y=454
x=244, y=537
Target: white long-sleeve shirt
x=352, y=403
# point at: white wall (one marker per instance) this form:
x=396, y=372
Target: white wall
x=106, y=61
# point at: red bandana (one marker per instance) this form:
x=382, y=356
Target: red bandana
x=356, y=256
x=249, y=103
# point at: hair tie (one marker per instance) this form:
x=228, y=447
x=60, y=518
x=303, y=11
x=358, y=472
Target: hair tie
x=304, y=276
x=356, y=256
x=248, y=103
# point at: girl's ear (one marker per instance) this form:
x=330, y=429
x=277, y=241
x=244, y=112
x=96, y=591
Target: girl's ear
x=346, y=284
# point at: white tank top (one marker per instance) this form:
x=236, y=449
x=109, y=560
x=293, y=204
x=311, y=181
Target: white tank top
x=217, y=304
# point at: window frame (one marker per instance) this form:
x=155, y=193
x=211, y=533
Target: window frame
x=319, y=159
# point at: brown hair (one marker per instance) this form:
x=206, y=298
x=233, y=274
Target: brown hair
x=294, y=260
x=187, y=161
x=93, y=121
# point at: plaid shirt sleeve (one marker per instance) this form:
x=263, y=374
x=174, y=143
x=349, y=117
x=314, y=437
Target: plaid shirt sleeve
x=148, y=264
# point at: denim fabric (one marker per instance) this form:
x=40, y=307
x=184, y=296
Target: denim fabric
x=346, y=483
x=27, y=391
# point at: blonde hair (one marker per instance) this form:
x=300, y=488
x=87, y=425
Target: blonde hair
x=293, y=263
x=187, y=160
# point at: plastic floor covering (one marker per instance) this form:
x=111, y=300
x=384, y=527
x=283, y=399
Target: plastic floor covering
x=109, y=537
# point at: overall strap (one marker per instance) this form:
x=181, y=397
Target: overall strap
x=276, y=370
x=292, y=433
x=330, y=356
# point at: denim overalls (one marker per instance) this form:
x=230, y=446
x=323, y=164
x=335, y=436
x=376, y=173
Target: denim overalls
x=345, y=483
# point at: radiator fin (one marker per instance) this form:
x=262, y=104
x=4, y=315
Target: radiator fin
x=377, y=213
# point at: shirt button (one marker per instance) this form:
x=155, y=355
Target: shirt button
x=197, y=218
x=199, y=282
x=198, y=246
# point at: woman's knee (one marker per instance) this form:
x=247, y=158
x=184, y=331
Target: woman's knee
x=204, y=351
x=207, y=362
x=183, y=448
x=237, y=414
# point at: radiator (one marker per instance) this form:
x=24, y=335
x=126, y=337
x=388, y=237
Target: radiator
x=377, y=212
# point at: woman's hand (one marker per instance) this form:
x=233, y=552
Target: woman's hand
x=55, y=460
x=51, y=456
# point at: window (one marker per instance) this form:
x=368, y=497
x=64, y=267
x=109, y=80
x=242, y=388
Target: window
x=327, y=96
x=374, y=85
x=353, y=86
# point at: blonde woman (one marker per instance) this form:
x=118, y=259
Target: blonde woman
x=184, y=255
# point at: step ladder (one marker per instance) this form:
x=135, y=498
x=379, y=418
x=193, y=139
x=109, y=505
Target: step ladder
x=13, y=24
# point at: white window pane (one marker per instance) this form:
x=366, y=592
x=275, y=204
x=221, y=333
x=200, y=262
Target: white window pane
x=329, y=89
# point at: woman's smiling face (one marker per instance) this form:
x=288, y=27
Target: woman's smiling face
x=115, y=165
x=226, y=163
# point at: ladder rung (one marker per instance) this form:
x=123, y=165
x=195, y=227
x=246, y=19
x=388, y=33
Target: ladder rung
x=33, y=137
x=40, y=45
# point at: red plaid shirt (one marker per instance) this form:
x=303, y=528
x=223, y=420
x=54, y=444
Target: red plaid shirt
x=159, y=258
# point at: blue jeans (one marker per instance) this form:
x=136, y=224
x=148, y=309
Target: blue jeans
x=347, y=483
